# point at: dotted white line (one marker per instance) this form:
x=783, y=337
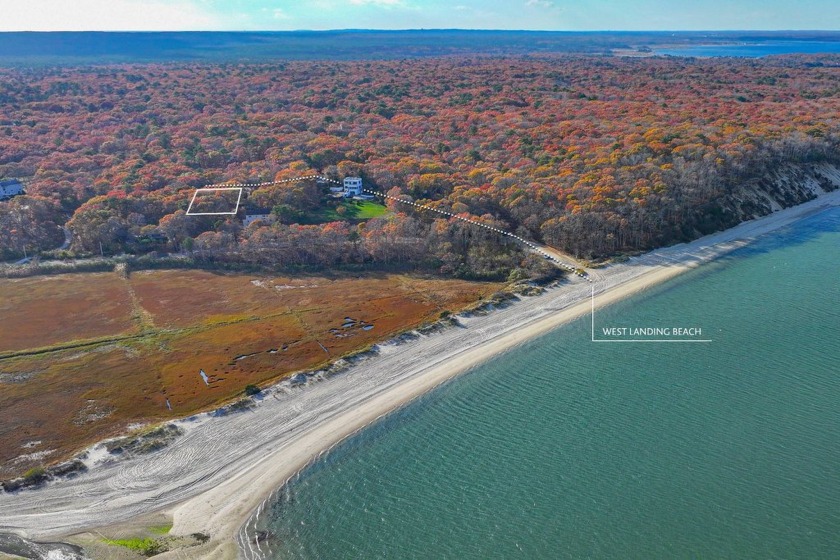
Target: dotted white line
x=491, y=228
x=267, y=183
x=421, y=206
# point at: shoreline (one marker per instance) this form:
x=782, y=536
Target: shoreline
x=336, y=430
x=213, y=479
x=382, y=405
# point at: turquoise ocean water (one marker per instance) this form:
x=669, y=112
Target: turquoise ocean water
x=563, y=448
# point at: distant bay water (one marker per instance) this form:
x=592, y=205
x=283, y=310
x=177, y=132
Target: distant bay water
x=563, y=448
x=73, y=48
x=753, y=49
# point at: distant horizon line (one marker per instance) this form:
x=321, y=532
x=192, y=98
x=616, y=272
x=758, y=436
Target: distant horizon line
x=431, y=29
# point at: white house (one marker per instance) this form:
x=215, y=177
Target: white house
x=10, y=188
x=352, y=186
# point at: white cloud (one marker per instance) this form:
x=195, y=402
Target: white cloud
x=279, y=13
x=107, y=15
x=540, y=3
x=379, y=3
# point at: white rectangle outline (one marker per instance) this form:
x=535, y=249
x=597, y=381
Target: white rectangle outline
x=238, y=200
x=636, y=340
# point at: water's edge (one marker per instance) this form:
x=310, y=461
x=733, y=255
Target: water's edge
x=250, y=535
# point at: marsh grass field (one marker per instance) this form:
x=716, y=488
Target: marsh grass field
x=85, y=356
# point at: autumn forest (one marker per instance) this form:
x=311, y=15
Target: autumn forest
x=594, y=155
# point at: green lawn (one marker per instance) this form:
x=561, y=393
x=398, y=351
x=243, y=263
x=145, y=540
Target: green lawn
x=356, y=210
x=146, y=547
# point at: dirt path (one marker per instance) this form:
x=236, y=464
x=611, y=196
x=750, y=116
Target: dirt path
x=145, y=320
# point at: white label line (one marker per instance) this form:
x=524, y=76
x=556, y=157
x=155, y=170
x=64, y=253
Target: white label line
x=215, y=189
x=630, y=340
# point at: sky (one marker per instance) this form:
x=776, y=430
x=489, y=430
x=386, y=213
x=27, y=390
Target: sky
x=558, y=15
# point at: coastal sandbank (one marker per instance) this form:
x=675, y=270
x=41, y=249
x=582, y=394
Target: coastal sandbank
x=213, y=478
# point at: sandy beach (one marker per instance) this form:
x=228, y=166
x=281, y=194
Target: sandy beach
x=214, y=477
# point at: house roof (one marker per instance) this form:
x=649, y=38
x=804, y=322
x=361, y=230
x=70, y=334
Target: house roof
x=10, y=188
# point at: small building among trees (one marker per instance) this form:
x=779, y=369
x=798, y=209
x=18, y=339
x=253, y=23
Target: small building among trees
x=261, y=215
x=10, y=188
